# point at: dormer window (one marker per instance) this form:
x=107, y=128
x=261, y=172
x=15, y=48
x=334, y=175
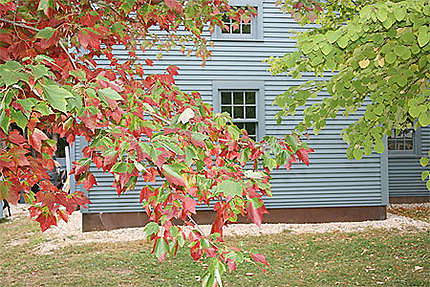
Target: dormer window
x=243, y=30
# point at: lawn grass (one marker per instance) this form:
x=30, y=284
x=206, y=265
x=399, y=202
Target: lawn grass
x=371, y=258
x=418, y=212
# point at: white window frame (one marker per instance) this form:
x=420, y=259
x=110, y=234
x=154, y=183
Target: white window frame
x=256, y=23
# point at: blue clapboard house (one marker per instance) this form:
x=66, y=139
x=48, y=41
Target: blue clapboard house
x=332, y=188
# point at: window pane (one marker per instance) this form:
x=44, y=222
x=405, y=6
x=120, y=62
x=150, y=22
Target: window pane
x=238, y=97
x=227, y=21
x=238, y=112
x=251, y=113
x=391, y=144
x=235, y=29
x=240, y=125
x=246, y=28
x=226, y=109
x=399, y=145
x=409, y=133
x=409, y=144
x=251, y=128
x=250, y=98
x=225, y=98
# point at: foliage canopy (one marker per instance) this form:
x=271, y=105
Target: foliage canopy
x=379, y=51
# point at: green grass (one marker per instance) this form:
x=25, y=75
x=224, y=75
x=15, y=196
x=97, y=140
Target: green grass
x=371, y=258
x=416, y=212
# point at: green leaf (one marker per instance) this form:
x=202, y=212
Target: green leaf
x=4, y=121
x=399, y=12
x=39, y=71
x=379, y=146
x=44, y=109
x=161, y=248
x=326, y=48
x=19, y=118
x=27, y=103
x=45, y=33
x=402, y=51
x=424, y=119
x=110, y=93
x=425, y=174
x=390, y=58
x=424, y=161
x=9, y=73
x=120, y=167
x=234, y=132
x=44, y=5
x=269, y=162
x=80, y=74
x=428, y=184
x=382, y=15
x=230, y=188
x=358, y=154
x=151, y=228
x=332, y=36
x=172, y=172
x=56, y=96
x=423, y=36
x=343, y=42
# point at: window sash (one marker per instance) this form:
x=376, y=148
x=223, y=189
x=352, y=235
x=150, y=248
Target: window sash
x=399, y=143
x=228, y=99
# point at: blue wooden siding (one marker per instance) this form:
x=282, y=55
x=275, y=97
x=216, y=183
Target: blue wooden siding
x=330, y=181
x=405, y=170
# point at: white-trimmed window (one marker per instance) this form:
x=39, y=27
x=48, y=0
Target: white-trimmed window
x=405, y=141
x=242, y=106
x=244, y=102
x=252, y=30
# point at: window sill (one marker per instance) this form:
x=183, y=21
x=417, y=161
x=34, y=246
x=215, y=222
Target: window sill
x=399, y=154
x=236, y=40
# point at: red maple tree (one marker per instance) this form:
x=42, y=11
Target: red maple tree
x=138, y=126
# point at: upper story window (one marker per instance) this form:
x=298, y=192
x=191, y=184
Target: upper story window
x=403, y=141
x=232, y=30
x=241, y=28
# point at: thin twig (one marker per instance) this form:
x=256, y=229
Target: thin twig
x=195, y=224
x=158, y=117
x=68, y=54
x=37, y=30
x=19, y=24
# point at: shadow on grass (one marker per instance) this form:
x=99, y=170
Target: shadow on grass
x=4, y=220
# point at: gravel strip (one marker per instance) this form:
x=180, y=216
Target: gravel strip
x=66, y=234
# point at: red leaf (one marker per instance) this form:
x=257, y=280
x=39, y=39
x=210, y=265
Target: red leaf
x=303, y=155
x=46, y=220
x=174, y=5
x=148, y=62
x=16, y=137
x=173, y=177
x=189, y=204
x=36, y=139
x=172, y=70
x=256, y=214
x=83, y=38
x=89, y=181
x=231, y=265
x=259, y=258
